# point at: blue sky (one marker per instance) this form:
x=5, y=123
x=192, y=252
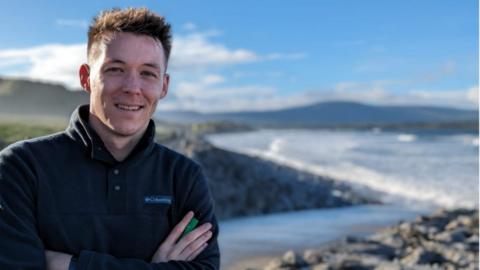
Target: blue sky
x=269, y=54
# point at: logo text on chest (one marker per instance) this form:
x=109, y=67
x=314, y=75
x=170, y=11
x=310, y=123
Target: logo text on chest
x=157, y=199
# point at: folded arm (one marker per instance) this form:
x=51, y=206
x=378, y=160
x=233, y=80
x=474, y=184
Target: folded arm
x=22, y=247
x=173, y=248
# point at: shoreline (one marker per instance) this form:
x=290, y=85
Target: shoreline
x=242, y=250
x=244, y=239
x=446, y=239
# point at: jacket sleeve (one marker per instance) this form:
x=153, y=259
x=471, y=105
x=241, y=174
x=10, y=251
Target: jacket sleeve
x=192, y=193
x=90, y=260
x=20, y=244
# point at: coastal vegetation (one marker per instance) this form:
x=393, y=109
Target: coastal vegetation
x=11, y=131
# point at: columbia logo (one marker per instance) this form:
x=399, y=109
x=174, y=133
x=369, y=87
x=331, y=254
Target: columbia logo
x=157, y=199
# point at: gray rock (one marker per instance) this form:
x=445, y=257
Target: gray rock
x=389, y=266
x=291, y=258
x=321, y=266
x=274, y=264
x=423, y=256
x=407, y=246
x=243, y=185
x=313, y=256
x=391, y=239
x=458, y=234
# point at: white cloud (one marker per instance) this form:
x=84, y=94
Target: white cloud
x=250, y=97
x=200, y=96
x=60, y=62
x=472, y=94
x=197, y=61
x=212, y=79
x=467, y=98
x=197, y=51
x=378, y=92
x=209, y=87
x=52, y=62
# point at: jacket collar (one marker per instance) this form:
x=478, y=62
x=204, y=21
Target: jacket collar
x=81, y=132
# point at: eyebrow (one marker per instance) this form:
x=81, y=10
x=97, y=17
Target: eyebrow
x=118, y=61
x=153, y=65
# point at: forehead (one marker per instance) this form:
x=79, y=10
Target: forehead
x=132, y=49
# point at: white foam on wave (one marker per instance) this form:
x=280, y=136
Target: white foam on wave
x=392, y=190
x=475, y=141
x=357, y=158
x=406, y=138
x=276, y=145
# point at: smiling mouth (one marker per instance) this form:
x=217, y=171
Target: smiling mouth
x=130, y=108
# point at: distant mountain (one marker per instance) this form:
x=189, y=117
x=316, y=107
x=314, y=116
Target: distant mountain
x=30, y=98
x=333, y=113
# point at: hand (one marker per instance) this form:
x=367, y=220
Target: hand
x=57, y=260
x=188, y=247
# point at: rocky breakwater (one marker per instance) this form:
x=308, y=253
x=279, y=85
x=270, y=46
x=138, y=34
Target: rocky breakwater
x=243, y=185
x=444, y=240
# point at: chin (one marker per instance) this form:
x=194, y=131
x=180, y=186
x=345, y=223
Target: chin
x=127, y=131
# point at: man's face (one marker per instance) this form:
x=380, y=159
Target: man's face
x=125, y=81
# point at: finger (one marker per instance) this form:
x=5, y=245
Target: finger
x=178, y=230
x=197, y=252
x=189, y=238
x=195, y=245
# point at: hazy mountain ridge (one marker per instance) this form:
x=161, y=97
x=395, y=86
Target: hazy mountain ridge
x=335, y=113
x=341, y=112
x=31, y=98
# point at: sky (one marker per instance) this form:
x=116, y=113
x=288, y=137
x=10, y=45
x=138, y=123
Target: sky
x=271, y=54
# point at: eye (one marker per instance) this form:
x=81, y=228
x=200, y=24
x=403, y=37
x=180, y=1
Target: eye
x=113, y=70
x=149, y=74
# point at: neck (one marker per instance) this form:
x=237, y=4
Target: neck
x=120, y=146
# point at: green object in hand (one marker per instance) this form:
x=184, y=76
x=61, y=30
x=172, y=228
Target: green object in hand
x=191, y=225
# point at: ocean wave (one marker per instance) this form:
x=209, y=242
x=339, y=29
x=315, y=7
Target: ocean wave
x=276, y=145
x=406, y=137
x=395, y=173
x=391, y=190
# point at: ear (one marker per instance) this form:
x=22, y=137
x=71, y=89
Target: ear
x=84, y=74
x=166, y=81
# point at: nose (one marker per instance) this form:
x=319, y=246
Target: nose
x=132, y=83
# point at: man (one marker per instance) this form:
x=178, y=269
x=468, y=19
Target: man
x=103, y=194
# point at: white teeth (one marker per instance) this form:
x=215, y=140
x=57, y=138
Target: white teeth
x=128, y=107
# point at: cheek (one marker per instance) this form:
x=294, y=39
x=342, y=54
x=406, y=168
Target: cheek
x=104, y=89
x=153, y=93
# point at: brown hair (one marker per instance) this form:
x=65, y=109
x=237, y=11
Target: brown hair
x=132, y=20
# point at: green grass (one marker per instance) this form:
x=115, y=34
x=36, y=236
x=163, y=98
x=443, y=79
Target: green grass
x=11, y=132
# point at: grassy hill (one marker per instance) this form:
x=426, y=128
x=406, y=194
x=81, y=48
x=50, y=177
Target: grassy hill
x=37, y=99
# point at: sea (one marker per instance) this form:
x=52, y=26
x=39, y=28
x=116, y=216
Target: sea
x=412, y=173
